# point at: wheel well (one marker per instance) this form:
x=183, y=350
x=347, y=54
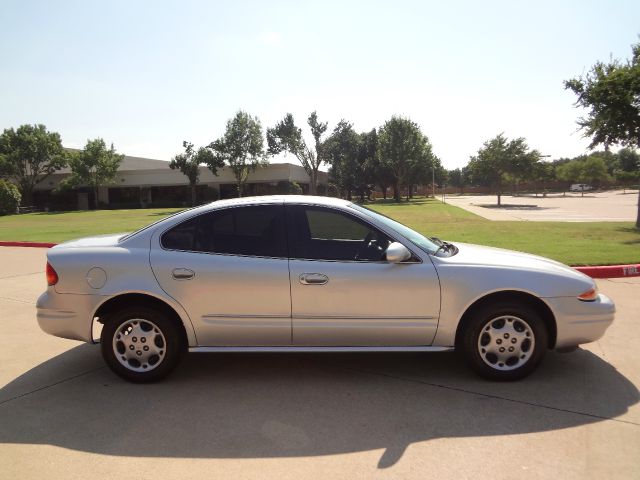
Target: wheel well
x=513, y=296
x=140, y=300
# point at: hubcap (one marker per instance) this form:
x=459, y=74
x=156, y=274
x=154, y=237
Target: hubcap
x=506, y=343
x=139, y=345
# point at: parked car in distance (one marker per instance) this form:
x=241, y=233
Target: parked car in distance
x=580, y=187
x=311, y=274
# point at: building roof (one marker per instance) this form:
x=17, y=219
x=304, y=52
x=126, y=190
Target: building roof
x=130, y=163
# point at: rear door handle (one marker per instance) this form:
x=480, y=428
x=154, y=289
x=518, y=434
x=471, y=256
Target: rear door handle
x=313, y=279
x=183, y=274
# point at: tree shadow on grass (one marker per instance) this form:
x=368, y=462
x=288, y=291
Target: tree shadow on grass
x=164, y=214
x=634, y=231
x=290, y=405
x=56, y=213
x=506, y=206
x=403, y=203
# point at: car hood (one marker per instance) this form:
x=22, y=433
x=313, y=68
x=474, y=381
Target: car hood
x=481, y=256
x=97, y=241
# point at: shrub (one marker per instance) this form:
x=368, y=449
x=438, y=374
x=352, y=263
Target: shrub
x=288, y=187
x=207, y=194
x=322, y=189
x=9, y=198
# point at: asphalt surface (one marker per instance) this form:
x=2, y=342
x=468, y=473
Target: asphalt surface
x=64, y=415
x=609, y=206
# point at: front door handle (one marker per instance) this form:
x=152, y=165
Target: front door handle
x=183, y=274
x=313, y=279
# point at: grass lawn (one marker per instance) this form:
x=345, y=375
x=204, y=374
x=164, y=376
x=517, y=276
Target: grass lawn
x=594, y=243
x=573, y=243
x=57, y=227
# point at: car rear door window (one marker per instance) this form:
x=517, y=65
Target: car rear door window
x=251, y=230
x=181, y=237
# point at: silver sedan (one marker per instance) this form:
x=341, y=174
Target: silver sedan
x=299, y=273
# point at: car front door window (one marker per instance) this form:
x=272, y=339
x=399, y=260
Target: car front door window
x=318, y=233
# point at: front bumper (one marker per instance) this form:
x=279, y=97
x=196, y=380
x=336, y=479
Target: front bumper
x=580, y=322
x=67, y=315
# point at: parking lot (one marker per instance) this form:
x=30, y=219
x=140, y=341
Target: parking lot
x=64, y=415
x=609, y=206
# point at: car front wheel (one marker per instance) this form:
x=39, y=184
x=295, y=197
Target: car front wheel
x=140, y=344
x=505, y=342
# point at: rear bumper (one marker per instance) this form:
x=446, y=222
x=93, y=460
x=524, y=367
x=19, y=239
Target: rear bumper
x=580, y=322
x=67, y=315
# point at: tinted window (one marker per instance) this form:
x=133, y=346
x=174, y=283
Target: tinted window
x=256, y=231
x=181, y=237
x=324, y=234
x=326, y=225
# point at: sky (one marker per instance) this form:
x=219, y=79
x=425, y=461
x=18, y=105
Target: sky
x=146, y=75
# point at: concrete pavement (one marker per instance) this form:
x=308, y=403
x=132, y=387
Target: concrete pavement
x=609, y=206
x=64, y=415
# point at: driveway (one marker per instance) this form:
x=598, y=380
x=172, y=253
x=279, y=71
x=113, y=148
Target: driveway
x=609, y=206
x=64, y=415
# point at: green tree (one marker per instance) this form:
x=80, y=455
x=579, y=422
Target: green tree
x=405, y=151
x=594, y=170
x=188, y=163
x=500, y=159
x=341, y=149
x=95, y=165
x=582, y=169
x=367, y=152
x=287, y=137
x=241, y=147
x=542, y=173
x=627, y=179
x=570, y=172
x=458, y=178
x=28, y=155
x=610, y=93
x=628, y=171
x=628, y=160
x=9, y=198
x=382, y=174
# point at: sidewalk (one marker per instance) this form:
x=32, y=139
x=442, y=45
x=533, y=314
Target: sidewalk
x=609, y=206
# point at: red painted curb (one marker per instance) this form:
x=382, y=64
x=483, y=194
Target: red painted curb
x=605, y=271
x=611, y=271
x=28, y=244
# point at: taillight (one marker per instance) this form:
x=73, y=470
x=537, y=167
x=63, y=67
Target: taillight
x=52, y=276
x=589, y=296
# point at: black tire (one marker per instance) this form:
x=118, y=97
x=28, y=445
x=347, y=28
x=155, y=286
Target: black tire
x=492, y=330
x=159, y=337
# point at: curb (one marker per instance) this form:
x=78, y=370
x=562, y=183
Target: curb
x=28, y=244
x=605, y=271
x=611, y=271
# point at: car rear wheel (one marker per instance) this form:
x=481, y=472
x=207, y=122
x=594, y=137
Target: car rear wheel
x=140, y=344
x=504, y=342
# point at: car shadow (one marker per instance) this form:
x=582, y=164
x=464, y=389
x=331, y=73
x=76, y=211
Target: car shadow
x=289, y=405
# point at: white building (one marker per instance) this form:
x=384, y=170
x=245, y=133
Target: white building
x=144, y=182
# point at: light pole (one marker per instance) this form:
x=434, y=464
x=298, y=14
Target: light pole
x=433, y=182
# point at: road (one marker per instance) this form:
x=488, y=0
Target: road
x=353, y=416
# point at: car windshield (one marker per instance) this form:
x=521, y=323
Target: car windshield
x=414, y=237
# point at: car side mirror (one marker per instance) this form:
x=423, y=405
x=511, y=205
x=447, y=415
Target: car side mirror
x=397, y=253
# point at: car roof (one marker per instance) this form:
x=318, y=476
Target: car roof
x=304, y=199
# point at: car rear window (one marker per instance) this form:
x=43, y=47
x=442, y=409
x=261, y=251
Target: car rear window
x=251, y=230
